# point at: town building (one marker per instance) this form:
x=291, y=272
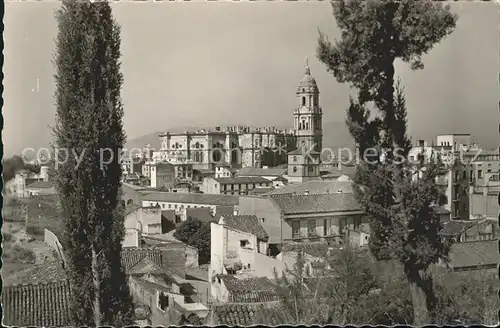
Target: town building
x=140, y=221
x=471, y=230
x=234, y=186
x=179, y=201
x=243, y=146
x=39, y=188
x=319, y=217
x=224, y=170
x=303, y=165
x=163, y=176
x=18, y=186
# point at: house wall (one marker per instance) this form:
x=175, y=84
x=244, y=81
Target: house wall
x=487, y=205
x=41, y=191
x=335, y=225
x=266, y=212
x=163, y=176
x=131, y=239
x=130, y=194
x=211, y=186
x=177, y=207
x=191, y=257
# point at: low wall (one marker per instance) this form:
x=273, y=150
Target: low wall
x=51, y=239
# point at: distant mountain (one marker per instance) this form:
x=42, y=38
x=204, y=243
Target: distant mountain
x=335, y=135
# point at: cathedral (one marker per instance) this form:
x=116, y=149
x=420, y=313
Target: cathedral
x=243, y=146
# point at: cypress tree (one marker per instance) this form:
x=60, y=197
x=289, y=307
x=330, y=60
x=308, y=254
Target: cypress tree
x=403, y=226
x=89, y=129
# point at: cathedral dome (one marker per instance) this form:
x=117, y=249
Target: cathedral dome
x=307, y=83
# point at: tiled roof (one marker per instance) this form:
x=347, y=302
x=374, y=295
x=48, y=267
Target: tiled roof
x=144, y=266
x=315, y=187
x=246, y=223
x=295, y=204
x=151, y=286
x=455, y=227
x=131, y=256
x=41, y=273
x=131, y=208
x=44, y=305
x=261, y=172
x=316, y=249
x=191, y=198
x=233, y=314
x=41, y=185
x=242, y=180
x=250, y=290
x=472, y=254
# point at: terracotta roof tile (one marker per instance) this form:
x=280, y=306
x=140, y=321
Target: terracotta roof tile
x=250, y=290
x=261, y=172
x=44, y=305
x=246, y=314
x=246, y=223
x=41, y=273
x=242, y=180
x=316, y=249
x=470, y=254
x=293, y=204
x=315, y=187
x=454, y=228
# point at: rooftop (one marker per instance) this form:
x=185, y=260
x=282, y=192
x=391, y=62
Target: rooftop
x=242, y=180
x=315, y=187
x=41, y=273
x=238, y=314
x=472, y=254
x=44, y=305
x=249, y=290
x=191, y=198
x=261, y=172
x=246, y=223
x=41, y=184
x=316, y=249
x=302, y=204
x=455, y=227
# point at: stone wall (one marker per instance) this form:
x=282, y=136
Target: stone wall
x=51, y=239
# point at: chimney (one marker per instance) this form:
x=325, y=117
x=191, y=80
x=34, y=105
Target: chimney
x=306, y=192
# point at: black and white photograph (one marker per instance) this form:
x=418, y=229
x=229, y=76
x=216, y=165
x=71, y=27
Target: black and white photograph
x=242, y=163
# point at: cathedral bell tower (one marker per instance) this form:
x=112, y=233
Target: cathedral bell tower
x=308, y=115
x=304, y=162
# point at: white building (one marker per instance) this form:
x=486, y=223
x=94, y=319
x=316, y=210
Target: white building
x=140, y=221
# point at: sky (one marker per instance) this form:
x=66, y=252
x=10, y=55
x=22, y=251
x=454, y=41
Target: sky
x=217, y=63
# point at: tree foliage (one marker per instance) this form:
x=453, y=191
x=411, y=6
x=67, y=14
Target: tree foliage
x=196, y=233
x=88, y=120
x=14, y=164
x=373, y=36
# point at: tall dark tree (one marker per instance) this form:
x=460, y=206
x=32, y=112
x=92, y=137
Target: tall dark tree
x=89, y=124
x=374, y=34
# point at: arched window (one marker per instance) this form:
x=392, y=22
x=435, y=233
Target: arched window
x=307, y=125
x=303, y=101
x=304, y=124
x=294, y=169
x=300, y=126
x=294, y=158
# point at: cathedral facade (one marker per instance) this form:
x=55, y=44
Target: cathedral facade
x=243, y=146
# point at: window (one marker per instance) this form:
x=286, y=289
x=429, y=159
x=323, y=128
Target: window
x=480, y=174
x=294, y=158
x=325, y=227
x=169, y=205
x=295, y=229
x=311, y=228
x=244, y=243
x=162, y=205
x=294, y=169
x=311, y=169
x=303, y=101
